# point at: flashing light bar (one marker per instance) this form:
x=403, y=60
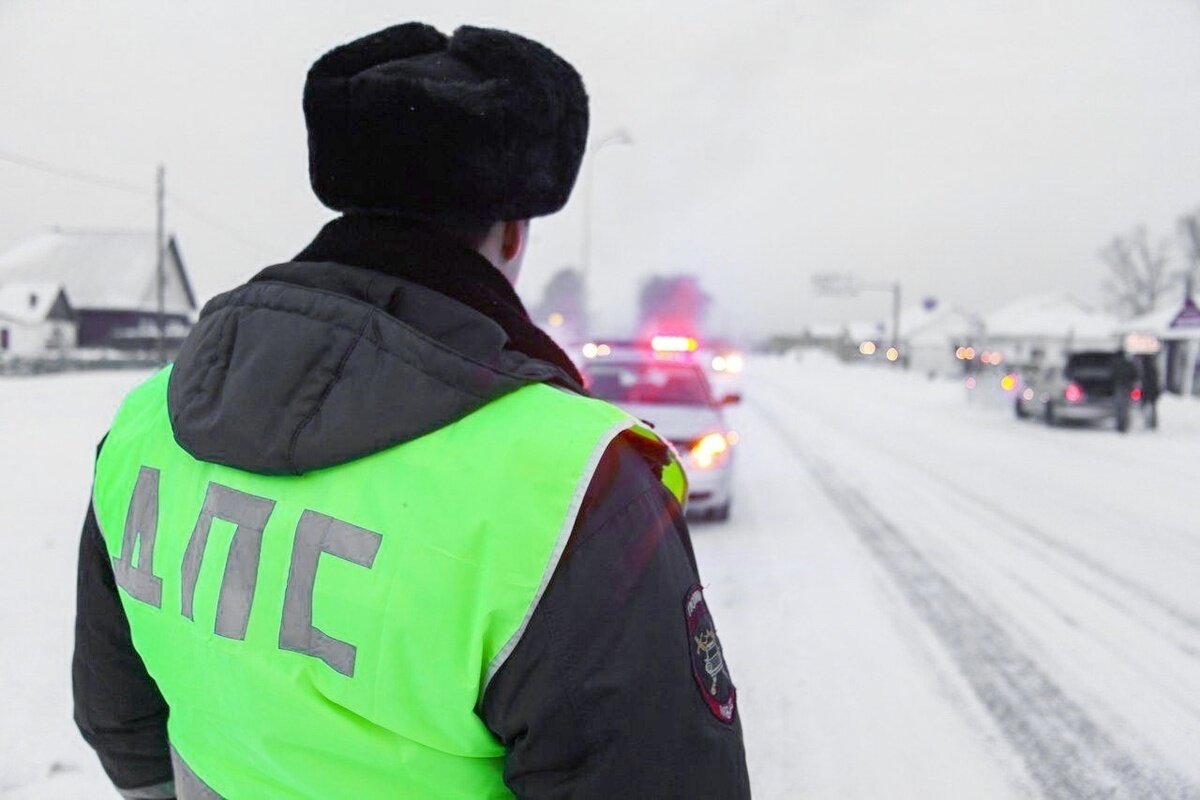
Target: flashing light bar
x=674, y=344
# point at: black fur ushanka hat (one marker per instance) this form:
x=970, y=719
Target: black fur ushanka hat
x=476, y=128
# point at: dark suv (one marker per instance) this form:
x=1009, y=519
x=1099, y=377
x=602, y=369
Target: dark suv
x=1091, y=386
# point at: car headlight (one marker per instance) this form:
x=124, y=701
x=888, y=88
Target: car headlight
x=709, y=450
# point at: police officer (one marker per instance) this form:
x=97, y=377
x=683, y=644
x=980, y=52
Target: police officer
x=368, y=537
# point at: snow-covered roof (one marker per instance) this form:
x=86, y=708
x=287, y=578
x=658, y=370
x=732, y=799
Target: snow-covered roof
x=826, y=330
x=28, y=302
x=1049, y=316
x=1159, y=321
x=921, y=324
x=862, y=331
x=101, y=270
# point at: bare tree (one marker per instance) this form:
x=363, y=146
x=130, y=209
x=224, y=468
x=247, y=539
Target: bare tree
x=564, y=304
x=1139, y=274
x=672, y=304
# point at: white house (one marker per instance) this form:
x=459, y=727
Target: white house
x=1171, y=333
x=36, y=321
x=929, y=337
x=1048, y=327
x=111, y=280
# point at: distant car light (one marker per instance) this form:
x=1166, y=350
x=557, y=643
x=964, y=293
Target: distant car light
x=972, y=383
x=1135, y=394
x=1073, y=393
x=730, y=362
x=603, y=350
x=590, y=350
x=709, y=450
x=893, y=354
x=1008, y=382
x=674, y=344
x=733, y=438
x=556, y=320
x=1142, y=344
x=867, y=348
x=1027, y=394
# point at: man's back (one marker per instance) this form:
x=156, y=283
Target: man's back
x=472, y=473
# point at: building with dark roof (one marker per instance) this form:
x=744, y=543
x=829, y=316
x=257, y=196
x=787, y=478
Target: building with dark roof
x=110, y=281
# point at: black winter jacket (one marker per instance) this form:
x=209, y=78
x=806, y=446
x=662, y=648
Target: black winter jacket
x=602, y=696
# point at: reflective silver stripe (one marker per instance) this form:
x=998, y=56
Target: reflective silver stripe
x=317, y=534
x=159, y=791
x=187, y=783
x=141, y=523
x=250, y=514
x=560, y=544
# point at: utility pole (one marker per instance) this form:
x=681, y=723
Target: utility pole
x=1191, y=226
x=896, y=315
x=160, y=282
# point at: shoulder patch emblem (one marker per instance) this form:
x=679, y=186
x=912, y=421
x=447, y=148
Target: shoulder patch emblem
x=708, y=661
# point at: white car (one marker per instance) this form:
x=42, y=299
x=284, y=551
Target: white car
x=675, y=397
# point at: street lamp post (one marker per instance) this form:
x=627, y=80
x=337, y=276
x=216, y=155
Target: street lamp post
x=843, y=285
x=618, y=136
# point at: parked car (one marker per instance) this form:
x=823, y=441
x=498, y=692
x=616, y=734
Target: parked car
x=1092, y=386
x=675, y=397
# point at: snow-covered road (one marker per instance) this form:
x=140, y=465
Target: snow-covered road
x=922, y=598
x=919, y=597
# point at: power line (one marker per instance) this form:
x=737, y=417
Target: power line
x=124, y=186
x=74, y=174
x=224, y=227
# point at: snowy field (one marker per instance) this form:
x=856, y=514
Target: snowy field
x=919, y=597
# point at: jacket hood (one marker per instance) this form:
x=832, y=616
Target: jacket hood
x=315, y=363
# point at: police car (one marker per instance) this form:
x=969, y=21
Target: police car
x=662, y=384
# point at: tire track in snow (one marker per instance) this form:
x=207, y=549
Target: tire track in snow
x=1065, y=751
x=1009, y=517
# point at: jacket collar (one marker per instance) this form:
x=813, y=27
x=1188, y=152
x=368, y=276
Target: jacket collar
x=435, y=261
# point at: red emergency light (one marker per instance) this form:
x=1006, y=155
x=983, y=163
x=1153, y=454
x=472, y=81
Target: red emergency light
x=673, y=344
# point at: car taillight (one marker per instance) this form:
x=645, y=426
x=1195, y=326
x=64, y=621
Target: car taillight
x=1136, y=394
x=1073, y=393
x=709, y=449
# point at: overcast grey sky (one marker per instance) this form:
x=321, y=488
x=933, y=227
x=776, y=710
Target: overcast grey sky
x=975, y=149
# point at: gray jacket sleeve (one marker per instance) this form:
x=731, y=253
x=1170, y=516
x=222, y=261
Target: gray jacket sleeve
x=118, y=707
x=599, y=698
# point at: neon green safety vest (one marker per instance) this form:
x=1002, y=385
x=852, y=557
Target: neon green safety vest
x=330, y=635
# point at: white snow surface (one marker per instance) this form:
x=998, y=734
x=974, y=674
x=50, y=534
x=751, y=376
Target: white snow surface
x=918, y=597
